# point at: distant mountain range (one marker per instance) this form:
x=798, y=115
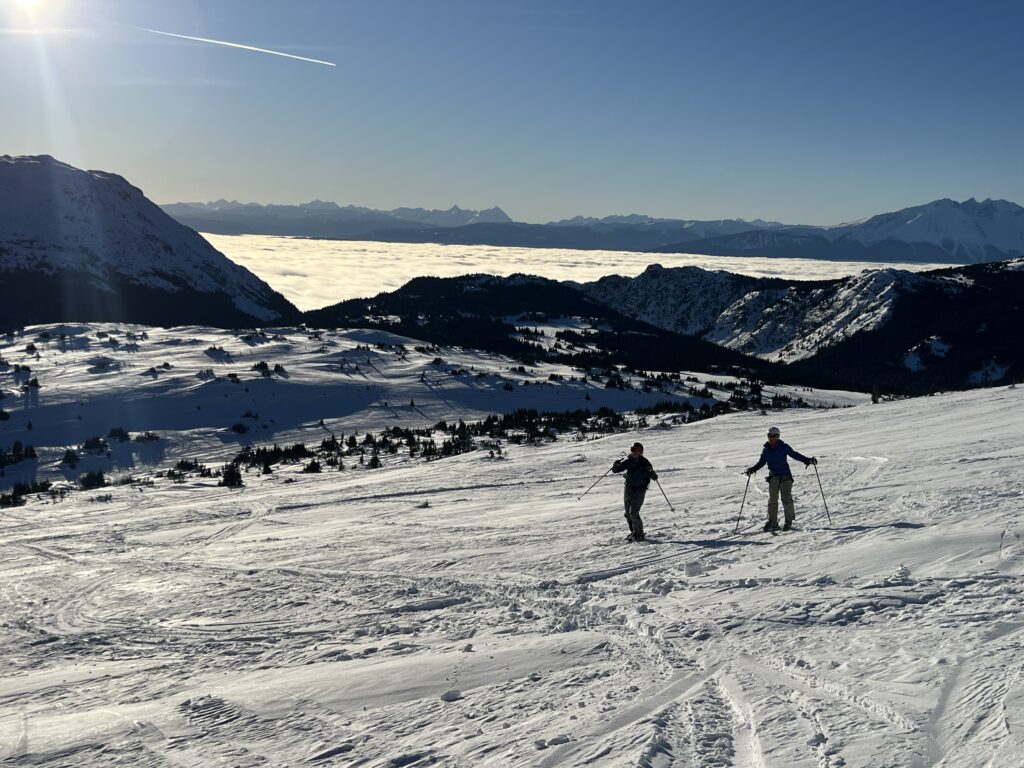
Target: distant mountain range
x=321, y=219
x=943, y=231
x=88, y=246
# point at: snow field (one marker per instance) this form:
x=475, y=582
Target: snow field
x=178, y=384
x=472, y=612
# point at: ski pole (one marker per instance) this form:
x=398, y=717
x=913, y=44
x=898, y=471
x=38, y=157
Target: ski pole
x=815, y=465
x=666, y=496
x=740, y=515
x=602, y=477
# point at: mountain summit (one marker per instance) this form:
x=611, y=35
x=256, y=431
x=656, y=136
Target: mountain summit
x=88, y=246
x=939, y=231
x=967, y=230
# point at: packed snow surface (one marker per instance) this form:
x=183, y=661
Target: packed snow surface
x=474, y=611
x=317, y=273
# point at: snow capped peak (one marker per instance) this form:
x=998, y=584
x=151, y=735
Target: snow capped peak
x=93, y=226
x=321, y=205
x=31, y=160
x=963, y=229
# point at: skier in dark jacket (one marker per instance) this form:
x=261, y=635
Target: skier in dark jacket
x=639, y=474
x=780, y=479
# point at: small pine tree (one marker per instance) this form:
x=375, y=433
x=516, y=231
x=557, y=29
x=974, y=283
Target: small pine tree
x=91, y=480
x=231, y=476
x=95, y=444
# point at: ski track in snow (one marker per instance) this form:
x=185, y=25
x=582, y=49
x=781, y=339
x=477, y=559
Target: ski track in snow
x=333, y=619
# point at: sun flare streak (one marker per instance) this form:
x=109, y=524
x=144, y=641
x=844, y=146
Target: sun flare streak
x=238, y=45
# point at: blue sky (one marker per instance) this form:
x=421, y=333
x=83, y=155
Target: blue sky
x=802, y=112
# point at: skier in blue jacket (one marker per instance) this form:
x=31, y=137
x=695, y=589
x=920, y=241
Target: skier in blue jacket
x=780, y=479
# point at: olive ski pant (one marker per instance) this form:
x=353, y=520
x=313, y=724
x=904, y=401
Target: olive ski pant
x=780, y=485
x=633, y=497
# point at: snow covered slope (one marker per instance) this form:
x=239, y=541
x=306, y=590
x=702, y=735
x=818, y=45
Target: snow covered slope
x=473, y=611
x=682, y=299
x=870, y=325
x=86, y=245
x=782, y=320
x=795, y=323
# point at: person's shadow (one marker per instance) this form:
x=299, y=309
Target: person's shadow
x=858, y=528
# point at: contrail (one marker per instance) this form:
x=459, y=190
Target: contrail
x=237, y=45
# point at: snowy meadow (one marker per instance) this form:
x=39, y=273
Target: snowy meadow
x=318, y=273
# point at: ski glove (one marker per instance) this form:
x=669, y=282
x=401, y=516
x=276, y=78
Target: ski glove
x=653, y=474
x=750, y=471
x=810, y=461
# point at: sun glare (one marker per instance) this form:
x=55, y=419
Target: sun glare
x=37, y=15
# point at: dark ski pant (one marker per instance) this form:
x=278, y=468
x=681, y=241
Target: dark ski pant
x=633, y=497
x=780, y=484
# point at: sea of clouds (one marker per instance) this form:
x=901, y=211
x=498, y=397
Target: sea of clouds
x=318, y=273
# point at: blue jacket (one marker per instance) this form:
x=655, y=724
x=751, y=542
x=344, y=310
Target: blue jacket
x=638, y=469
x=775, y=458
